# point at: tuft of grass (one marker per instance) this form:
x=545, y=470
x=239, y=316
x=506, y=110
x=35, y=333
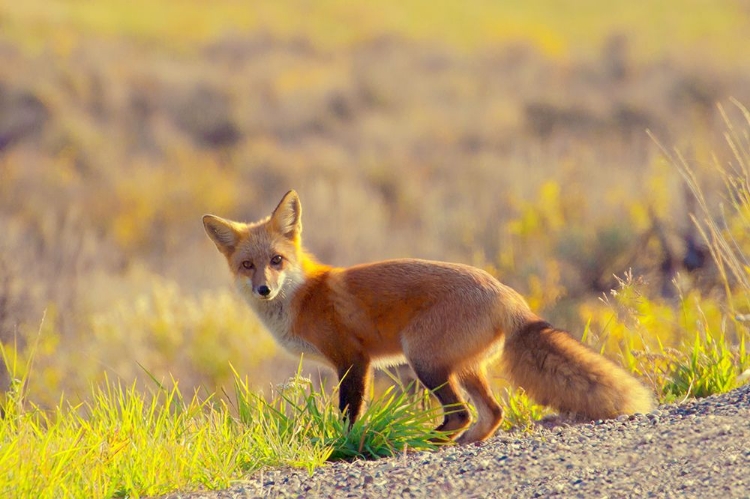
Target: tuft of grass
x=393, y=423
x=716, y=363
x=519, y=411
x=696, y=347
x=681, y=351
x=710, y=367
x=396, y=421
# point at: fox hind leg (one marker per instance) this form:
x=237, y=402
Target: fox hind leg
x=444, y=385
x=489, y=412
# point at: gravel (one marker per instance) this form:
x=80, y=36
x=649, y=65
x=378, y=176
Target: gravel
x=700, y=448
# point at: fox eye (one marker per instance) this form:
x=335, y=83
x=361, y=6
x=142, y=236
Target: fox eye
x=248, y=265
x=276, y=260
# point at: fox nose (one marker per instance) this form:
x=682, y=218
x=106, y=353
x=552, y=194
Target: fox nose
x=264, y=290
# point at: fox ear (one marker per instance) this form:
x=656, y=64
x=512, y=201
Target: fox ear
x=287, y=217
x=221, y=232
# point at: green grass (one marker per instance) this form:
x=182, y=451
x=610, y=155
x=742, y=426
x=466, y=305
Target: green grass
x=717, y=363
x=398, y=420
x=697, y=346
x=710, y=367
x=126, y=443
x=519, y=411
x=654, y=342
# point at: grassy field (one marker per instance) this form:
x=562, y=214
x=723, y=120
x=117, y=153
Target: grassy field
x=510, y=137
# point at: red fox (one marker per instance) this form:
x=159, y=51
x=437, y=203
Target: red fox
x=446, y=320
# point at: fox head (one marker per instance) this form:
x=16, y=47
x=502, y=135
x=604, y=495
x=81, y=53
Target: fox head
x=263, y=256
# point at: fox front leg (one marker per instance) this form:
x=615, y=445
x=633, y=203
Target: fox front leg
x=352, y=384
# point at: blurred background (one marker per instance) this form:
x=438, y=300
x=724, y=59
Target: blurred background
x=507, y=135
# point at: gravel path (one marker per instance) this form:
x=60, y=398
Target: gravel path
x=697, y=449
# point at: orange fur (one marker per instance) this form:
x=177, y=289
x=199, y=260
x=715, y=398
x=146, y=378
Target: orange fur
x=446, y=320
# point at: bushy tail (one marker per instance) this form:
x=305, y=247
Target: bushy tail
x=557, y=370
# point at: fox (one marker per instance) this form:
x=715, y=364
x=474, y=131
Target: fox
x=448, y=321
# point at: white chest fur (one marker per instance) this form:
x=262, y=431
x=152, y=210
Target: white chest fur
x=277, y=315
